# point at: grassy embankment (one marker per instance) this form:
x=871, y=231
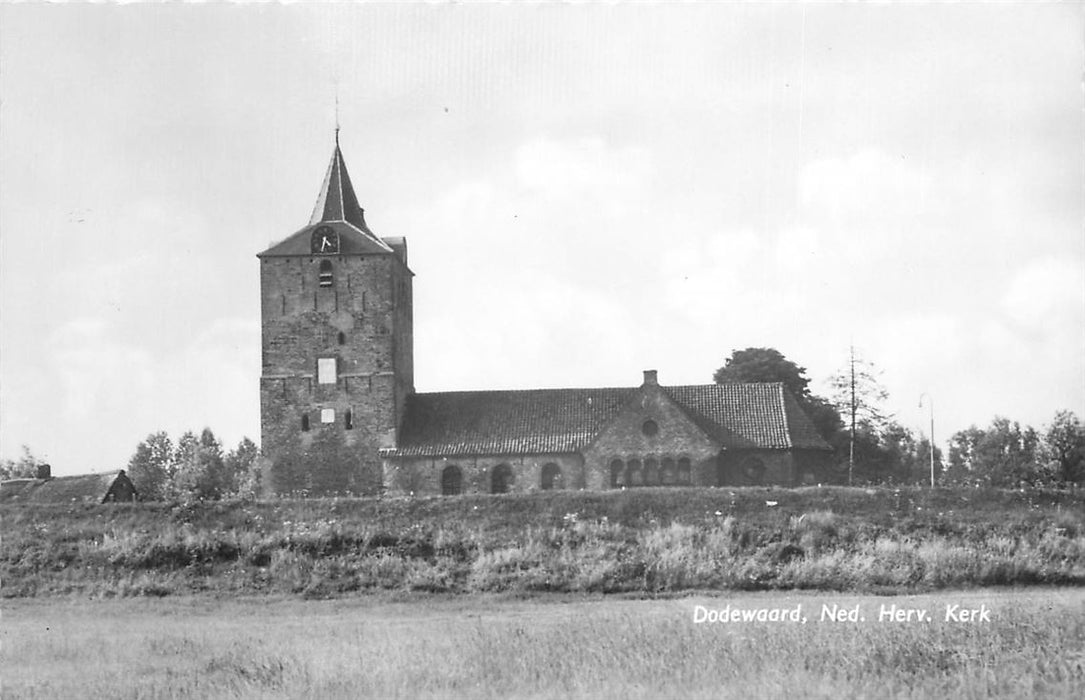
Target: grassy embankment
x=650, y=541
x=548, y=647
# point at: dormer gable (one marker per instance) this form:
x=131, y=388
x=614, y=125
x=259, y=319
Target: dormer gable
x=652, y=424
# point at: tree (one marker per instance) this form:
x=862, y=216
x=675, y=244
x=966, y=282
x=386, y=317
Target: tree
x=152, y=467
x=1004, y=455
x=1064, y=447
x=26, y=467
x=906, y=458
x=201, y=471
x=763, y=365
x=858, y=395
x=242, y=469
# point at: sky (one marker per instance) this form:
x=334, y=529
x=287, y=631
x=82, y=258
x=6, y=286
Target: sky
x=587, y=190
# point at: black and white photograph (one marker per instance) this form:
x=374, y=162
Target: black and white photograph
x=546, y=350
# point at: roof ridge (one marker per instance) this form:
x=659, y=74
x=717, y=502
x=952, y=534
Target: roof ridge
x=462, y=392
x=597, y=388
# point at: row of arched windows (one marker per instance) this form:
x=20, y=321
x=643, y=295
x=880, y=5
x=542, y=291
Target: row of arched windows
x=650, y=472
x=501, y=479
x=623, y=474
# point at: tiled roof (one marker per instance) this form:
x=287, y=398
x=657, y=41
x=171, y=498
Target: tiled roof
x=85, y=488
x=566, y=420
x=507, y=422
x=336, y=206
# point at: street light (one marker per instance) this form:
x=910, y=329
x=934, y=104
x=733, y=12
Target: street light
x=931, y=402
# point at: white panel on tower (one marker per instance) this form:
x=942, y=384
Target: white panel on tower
x=325, y=370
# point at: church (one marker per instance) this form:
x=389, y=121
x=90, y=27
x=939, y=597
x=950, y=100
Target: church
x=339, y=413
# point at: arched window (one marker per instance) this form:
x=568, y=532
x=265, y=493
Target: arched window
x=305, y=422
x=651, y=472
x=753, y=470
x=348, y=419
x=326, y=273
x=342, y=338
x=667, y=474
x=551, y=477
x=650, y=428
x=451, y=481
x=633, y=475
x=616, y=474
x=501, y=479
x=684, y=471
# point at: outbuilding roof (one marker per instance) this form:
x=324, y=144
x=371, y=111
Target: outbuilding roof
x=84, y=488
x=554, y=421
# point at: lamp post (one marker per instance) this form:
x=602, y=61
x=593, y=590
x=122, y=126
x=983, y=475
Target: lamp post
x=930, y=401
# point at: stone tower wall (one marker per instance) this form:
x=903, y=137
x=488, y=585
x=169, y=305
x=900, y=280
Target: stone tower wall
x=362, y=321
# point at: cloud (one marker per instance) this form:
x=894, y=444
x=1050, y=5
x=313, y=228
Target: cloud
x=865, y=206
x=1047, y=295
x=581, y=168
x=98, y=374
x=216, y=378
x=869, y=183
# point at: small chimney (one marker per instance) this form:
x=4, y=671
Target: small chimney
x=650, y=378
x=45, y=471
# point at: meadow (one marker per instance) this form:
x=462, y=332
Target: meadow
x=565, y=594
x=549, y=646
x=644, y=542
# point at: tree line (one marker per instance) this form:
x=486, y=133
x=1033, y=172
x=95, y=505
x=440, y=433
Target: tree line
x=852, y=421
x=194, y=468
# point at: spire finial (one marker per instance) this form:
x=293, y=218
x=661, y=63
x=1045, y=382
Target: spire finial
x=337, y=115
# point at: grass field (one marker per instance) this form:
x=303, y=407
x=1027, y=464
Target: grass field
x=552, y=646
x=644, y=541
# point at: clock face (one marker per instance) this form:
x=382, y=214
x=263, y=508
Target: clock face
x=325, y=241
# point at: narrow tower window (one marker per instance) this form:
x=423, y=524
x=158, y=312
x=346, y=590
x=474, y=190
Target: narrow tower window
x=326, y=273
x=305, y=422
x=348, y=419
x=342, y=338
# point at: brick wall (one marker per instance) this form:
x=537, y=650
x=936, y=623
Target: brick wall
x=755, y=467
x=422, y=475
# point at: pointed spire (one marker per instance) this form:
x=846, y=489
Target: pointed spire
x=337, y=201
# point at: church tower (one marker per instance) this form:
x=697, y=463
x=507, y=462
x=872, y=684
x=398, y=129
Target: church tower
x=337, y=342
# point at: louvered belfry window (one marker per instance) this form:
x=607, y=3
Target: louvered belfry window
x=326, y=278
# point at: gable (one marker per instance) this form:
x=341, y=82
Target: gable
x=651, y=422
